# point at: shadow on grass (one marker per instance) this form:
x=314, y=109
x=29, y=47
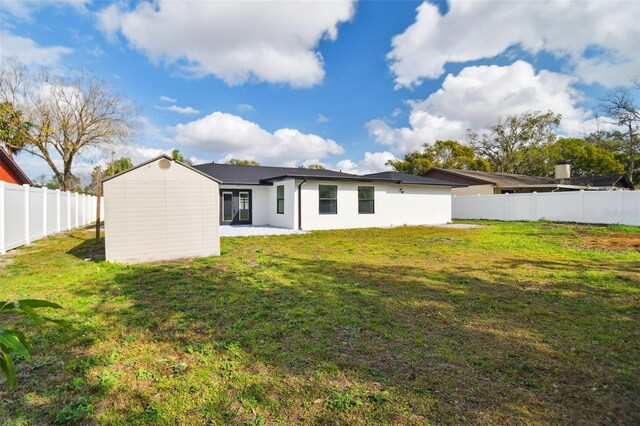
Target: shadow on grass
x=449, y=345
x=89, y=249
x=266, y=330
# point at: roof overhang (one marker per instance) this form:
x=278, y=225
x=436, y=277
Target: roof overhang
x=137, y=166
x=359, y=179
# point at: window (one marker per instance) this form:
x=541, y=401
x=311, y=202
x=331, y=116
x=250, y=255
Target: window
x=245, y=214
x=280, y=199
x=328, y=199
x=365, y=200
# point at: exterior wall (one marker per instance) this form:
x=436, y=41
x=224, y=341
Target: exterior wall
x=473, y=190
x=259, y=202
x=7, y=175
x=289, y=219
x=418, y=205
x=153, y=214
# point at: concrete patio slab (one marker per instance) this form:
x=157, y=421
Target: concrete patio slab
x=250, y=230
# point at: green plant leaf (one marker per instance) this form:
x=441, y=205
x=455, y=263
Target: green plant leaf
x=32, y=303
x=22, y=337
x=60, y=322
x=9, y=339
x=32, y=314
x=7, y=367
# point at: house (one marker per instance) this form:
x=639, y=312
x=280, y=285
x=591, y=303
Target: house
x=10, y=171
x=160, y=210
x=309, y=199
x=502, y=183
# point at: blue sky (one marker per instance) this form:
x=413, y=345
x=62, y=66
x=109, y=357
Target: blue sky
x=347, y=84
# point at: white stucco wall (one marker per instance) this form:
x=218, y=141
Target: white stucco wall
x=259, y=202
x=289, y=218
x=153, y=214
x=418, y=205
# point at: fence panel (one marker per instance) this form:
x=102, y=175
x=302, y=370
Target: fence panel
x=14, y=218
x=36, y=219
x=607, y=207
x=52, y=212
x=27, y=214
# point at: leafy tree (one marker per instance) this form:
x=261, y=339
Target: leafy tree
x=314, y=166
x=73, y=183
x=587, y=159
x=236, y=162
x=512, y=144
x=620, y=107
x=13, y=129
x=13, y=341
x=447, y=154
x=67, y=116
x=176, y=155
x=112, y=168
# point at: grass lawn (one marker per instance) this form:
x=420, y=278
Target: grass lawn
x=514, y=323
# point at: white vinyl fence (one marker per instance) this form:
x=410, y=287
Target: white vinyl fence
x=622, y=207
x=28, y=213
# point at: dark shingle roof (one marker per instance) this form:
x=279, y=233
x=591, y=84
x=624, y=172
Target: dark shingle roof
x=255, y=175
x=407, y=178
x=265, y=175
x=600, y=181
x=502, y=179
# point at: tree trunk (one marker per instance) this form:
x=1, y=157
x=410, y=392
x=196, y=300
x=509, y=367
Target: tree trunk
x=632, y=154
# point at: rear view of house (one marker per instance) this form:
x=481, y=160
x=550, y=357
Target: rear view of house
x=309, y=199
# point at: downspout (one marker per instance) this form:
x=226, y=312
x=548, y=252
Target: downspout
x=300, y=204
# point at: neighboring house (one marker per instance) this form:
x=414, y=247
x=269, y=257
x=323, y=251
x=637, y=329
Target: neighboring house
x=160, y=210
x=503, y=183
x=309, y=199
x=10, y=171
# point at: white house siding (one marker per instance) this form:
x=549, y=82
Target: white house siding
x=153, y=214
x=418, y=205
x=289, y=218
x=259, y=202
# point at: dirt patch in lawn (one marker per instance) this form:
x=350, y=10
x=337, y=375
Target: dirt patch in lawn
x=612, y=242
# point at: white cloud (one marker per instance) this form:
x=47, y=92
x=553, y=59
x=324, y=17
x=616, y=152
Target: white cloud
x=237, y=41
x=23, y=9
x=180, y=110
x=598, y=38
x=245, y=108
x=29, y=52
x=168, y=99
x=322, y=119
x=372, y=162
x=477, y=97
x=227, y=134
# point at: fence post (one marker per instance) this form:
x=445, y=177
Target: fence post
x=68, y=210
x=77, y=209
x=582, y=212
x=534, y=206
x=84, y=209
x=3, y=246
x=44, y=211
x=26, y=213
x=58, y=218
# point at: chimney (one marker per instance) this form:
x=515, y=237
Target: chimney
x=563, y=169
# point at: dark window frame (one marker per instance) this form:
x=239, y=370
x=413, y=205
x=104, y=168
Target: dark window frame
x=371, y=200
x=327, y=201
x=278, y=199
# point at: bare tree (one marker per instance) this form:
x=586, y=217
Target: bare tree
x=67, y=117
x=620, y=107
